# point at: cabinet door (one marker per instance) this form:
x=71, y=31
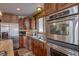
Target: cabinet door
x=9, y=18
x=4, y=18
x=14, y=19
x=64, y=5
x=50, y=8
x=38, y=48
x=46, y=8
x=53, y=7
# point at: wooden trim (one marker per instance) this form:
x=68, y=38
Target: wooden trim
x=8, y=13
x=37, y=16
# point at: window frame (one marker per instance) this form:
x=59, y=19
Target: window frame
x=43, y=25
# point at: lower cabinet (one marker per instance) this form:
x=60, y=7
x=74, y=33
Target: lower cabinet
x=38, y=48
x=23, y=42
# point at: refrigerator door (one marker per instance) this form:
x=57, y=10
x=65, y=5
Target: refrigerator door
x=14, y=34
x=10, y=31
x=4, y=30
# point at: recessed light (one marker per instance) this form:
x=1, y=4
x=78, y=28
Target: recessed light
x=18, y=9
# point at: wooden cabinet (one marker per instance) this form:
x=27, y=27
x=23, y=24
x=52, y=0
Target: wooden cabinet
x=64, y=5
x=23, y=42
x=38, y=48
x=14, y=19
x=50, y=8
x=9, y=18
x=54, y=7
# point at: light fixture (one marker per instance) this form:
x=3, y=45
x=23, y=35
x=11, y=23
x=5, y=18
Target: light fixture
x=39, y=9
x=0, y=13
x=18, y=9
x=54, y=24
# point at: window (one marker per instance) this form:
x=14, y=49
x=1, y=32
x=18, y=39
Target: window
x=40, y=24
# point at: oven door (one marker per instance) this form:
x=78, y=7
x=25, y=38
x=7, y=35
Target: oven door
x=64, y=29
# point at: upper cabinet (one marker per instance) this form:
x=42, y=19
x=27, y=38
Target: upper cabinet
x=54, y=7
x=64, y=5
x=50, y=8
x=9, y=18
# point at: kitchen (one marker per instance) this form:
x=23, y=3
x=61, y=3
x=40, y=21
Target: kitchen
x=39, y=29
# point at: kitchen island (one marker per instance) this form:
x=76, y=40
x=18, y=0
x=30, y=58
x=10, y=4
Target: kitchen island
x=6, y=48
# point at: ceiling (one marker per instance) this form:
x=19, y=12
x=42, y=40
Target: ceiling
x=26, y=8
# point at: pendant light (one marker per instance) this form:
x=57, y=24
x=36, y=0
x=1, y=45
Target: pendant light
x=40, y=7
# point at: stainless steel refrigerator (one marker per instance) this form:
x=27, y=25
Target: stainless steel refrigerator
x=10, y=31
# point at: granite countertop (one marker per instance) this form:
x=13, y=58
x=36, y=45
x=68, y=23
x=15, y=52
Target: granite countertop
x=7, y=46
x=42, y=38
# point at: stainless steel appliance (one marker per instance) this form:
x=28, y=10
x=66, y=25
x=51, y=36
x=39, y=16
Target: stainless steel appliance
x=10, y=31
x=63, y=26
x=56, y=50
x=63, y=31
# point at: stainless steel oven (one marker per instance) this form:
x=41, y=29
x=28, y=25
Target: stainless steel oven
x=63, y=26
